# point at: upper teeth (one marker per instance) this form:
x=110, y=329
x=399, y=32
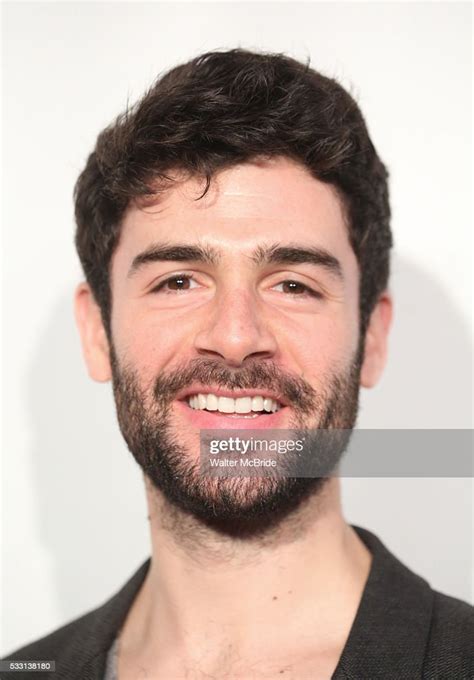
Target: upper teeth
x=212, y=402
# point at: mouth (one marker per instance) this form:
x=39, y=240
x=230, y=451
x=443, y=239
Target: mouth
x=214, y=410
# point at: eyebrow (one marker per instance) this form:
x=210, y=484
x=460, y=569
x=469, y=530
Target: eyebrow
x=262, y=255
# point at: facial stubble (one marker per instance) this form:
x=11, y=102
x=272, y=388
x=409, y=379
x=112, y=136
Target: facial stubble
x=233, y=506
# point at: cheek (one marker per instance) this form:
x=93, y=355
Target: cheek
x=329, y=346
x=321, y=347
x=147, y=343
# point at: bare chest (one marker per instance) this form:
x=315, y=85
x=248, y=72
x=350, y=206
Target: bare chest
x=302, y=666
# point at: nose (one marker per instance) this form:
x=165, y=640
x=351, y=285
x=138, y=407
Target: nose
x=236, y=330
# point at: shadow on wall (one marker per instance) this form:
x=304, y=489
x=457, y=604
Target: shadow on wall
x=90, y=498
x=427, y=382
x=91, y=506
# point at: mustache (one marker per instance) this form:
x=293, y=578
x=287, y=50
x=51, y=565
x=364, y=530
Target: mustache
x=254, y=375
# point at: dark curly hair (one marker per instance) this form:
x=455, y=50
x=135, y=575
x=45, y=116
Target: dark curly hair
x=225, y=108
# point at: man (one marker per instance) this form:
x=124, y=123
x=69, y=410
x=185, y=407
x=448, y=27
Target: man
x=234, y=232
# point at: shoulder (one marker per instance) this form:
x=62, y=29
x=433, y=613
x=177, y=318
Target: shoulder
x=405, y=624
x=450, y=650
x=453, y=620
x=86, y=639
x=453, y=612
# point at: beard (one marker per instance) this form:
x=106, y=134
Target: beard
x=239, y=507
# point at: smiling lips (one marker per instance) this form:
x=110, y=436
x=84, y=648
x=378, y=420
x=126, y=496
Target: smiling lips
x=252, y=406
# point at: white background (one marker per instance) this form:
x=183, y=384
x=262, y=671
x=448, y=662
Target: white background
x=75, y=524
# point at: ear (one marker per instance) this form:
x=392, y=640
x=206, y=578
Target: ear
x=95, y=346
x=375, y=354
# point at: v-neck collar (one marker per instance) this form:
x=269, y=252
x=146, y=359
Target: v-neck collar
x=387, y=639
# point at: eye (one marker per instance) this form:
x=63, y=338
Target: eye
x=296, y=289
x=174, y=284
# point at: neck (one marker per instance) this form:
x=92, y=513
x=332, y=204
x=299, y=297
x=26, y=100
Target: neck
x=202, y=586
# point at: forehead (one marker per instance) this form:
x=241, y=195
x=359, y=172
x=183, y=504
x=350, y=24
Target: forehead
x=271, y=201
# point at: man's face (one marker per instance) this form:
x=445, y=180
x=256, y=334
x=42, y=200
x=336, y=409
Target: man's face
x=248, y=320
